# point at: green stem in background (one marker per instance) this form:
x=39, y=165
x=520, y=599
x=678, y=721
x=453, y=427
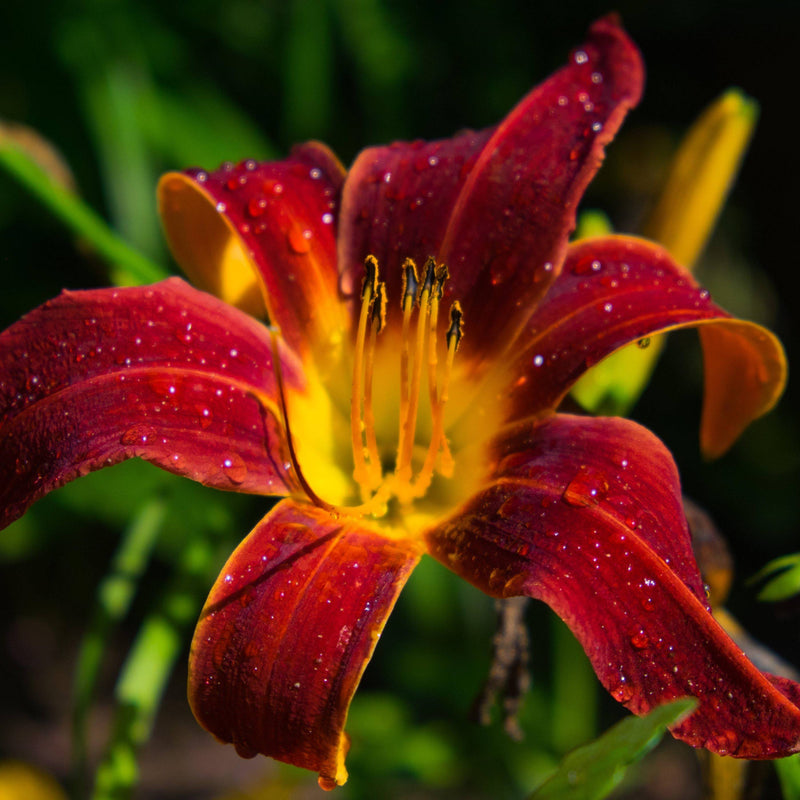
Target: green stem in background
x=789, y=776
x=574, y=693
x=148, y=667
x=114, y=597
x=128, y=266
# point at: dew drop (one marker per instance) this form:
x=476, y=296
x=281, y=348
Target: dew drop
x=538, y=360
x=221, y=207
x=327, y=218
x=581, y=57
x=587, y=488
x=640, y=640
x=596, y=126
x=234, y=468
x=257, y=206
x=643, y=343
x=622, y=692
x=138, y=435
x=597, y=77
x=298, y=240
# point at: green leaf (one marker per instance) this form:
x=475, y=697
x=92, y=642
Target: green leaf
x=148, y=667
x=785, y=581
x=592, y=771
x=114, y=597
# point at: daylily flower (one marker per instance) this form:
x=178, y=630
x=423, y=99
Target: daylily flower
x=404, y=407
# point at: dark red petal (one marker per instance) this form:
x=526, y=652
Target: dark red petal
x=616, y=290
x=585, y=514
x=164, y=372
x=498, y=205
x=272, y=223
x=287, y=632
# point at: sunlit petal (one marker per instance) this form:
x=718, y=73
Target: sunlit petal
x=585, y=514
x=166, y=373
x=260, y=233
x=287, y=632
x=617, y=290
x=498, y=205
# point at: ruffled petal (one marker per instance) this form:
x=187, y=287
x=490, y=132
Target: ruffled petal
x=585, y=514
x=616, y=290
x=166, y=373
x=259, y=233
x=497, y=205
x=287, y=631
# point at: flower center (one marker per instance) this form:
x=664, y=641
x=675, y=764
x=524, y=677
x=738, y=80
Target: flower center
x=387, y=484
x=419, y=345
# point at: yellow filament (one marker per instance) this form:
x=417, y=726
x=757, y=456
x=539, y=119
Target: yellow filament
x=360, y=472
x=438, y=441
x=373, y=454
x=409, y=408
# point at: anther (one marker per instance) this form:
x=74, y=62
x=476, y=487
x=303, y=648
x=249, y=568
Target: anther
x=369, y=286
x=430, y=277
x=456, y=329
x=410, y=284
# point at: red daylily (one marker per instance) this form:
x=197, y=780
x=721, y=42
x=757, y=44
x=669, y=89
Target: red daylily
x=389, y=434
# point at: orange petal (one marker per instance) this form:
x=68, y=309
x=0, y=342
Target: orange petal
x=264, y=234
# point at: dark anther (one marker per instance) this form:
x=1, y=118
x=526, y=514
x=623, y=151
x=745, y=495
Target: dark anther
x=430, y=275
x=456, y=328
x=410, y=283
x=378, y=313
x=370, y=282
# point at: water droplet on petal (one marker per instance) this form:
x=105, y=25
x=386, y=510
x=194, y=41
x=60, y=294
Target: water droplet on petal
x=298, y=240
x=640, y=640
x=622, y=692
x=587, y=488
x=580, y=57
x=138, y=435
x=643, y=343
x=234, y=468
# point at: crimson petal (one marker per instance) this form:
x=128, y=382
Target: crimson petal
x=497, y=205
x=616, y=290
x=272, y=223
x=585, y=514
x=287, y=631
x=165, y=372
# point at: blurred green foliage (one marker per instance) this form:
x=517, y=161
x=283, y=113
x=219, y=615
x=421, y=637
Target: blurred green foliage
x=126, y=89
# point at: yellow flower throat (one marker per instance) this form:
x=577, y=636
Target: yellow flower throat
x=381, y=488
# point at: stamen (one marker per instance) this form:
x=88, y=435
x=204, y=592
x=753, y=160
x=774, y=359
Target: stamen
x=375, y=505
x=438, y=441
x=408, y=423
x=377, y=323
x=369, y=288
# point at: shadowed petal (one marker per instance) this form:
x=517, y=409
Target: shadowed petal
x=264, y=232
x=164, y=372
x=497, y=205
x=287, y=632
x=617, y=290
x=585, y=514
